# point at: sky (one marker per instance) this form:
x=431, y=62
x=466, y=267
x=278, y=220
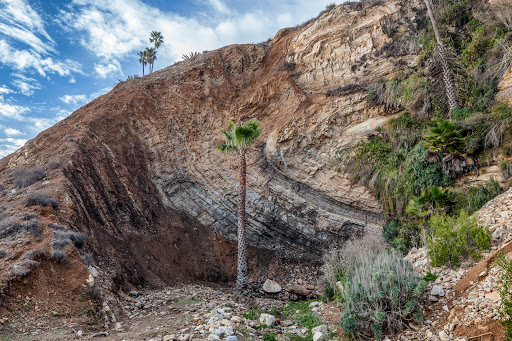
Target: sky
x=56, y=56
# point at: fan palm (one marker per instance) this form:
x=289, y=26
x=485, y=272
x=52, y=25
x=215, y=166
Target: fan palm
x=143, y=59
x=239, y=139
x=156, y=38
x=151, y=57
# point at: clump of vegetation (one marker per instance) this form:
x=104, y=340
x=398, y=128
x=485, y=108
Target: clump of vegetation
x=41, y=199
x=452, y=239
x=337, y=261
x=269, y=337
x=59, y=256
x=251, y=314
x=505, y=309
x=474, y=198
x=301, y=313
x=380, y=295
x=53, y=163
x=25, y=177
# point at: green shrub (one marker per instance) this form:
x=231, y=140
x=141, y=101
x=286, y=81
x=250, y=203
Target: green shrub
x=445, y=138
x=432, y=200
x=430, y=277
x=251, y=315
x=505, y=309
x=391, y=230
x=452, y=239
x=462, y=113
x=381, y=294
x=474, y=198
x=269, y=337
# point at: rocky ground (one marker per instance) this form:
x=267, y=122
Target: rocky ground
x=190, y=312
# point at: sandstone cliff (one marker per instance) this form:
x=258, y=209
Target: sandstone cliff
x=136, y=172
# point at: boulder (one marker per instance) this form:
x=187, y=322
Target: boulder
x=271, y=287
x=267, y=319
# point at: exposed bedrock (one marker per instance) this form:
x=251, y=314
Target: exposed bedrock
x=139, y=174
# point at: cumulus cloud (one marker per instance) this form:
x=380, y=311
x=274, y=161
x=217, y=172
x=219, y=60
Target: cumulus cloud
x=12, y=132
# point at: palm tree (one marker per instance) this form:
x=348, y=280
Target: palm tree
x=143, y=59
x=443, y=56
x=239, y=139
x=151, y=57
x=156, y=38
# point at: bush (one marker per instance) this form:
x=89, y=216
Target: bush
x=53, y=163
x=25, y=177
x=59, y=227
x=445, y=138
x=63, y=238
x=474, y=198
x=380, y=295
x=34, y=227
x=452, y=239
x=505, y=309
x=269, y=337
x=59, y=256
x=391, y=230
x=41, y=199
x=8, y=227
x=337, y=261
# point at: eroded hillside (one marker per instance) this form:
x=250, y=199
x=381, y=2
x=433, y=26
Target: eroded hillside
x=136, y=172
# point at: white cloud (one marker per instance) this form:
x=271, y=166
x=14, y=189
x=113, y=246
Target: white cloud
x=4, y=90
x=12, y=111
x=117, y=30
x=10, y=145
x=73, y=99
x=106, y=68
x=25, y=85
x=27, y=59
x=12, y=132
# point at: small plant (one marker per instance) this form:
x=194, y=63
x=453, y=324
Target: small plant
x=59, y=256
x=25, y=177
x=445, y=138
x=505, y=310
x=269, y=337
x=433, y=200
x=251, y=315
x=41, y=199
x=452, y=239
x=381, y=294
x=190, y=55
x=430, y=277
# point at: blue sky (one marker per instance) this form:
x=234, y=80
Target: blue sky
x=56, y=56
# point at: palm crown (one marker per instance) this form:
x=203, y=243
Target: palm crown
x=156, y=38
x=240, y=137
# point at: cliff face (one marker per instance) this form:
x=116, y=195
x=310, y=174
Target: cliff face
x=140, y=177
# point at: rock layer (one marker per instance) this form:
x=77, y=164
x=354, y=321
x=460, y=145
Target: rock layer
x=140, y=177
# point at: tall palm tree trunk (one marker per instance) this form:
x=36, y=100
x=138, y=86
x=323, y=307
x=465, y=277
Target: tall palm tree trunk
x=143, y=69
x=447, y=73
x=241, y=275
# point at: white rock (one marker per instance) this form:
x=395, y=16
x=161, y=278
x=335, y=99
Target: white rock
x=79, y=333
x=443, y=336
x=267, y=319
x=437, y=290
x=232, y=338
x=213, y=337
x=318, y=336
x=271, y=287
x=320, y=329
x=313, y=304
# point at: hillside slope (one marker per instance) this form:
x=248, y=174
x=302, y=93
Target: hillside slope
x=135, y=170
